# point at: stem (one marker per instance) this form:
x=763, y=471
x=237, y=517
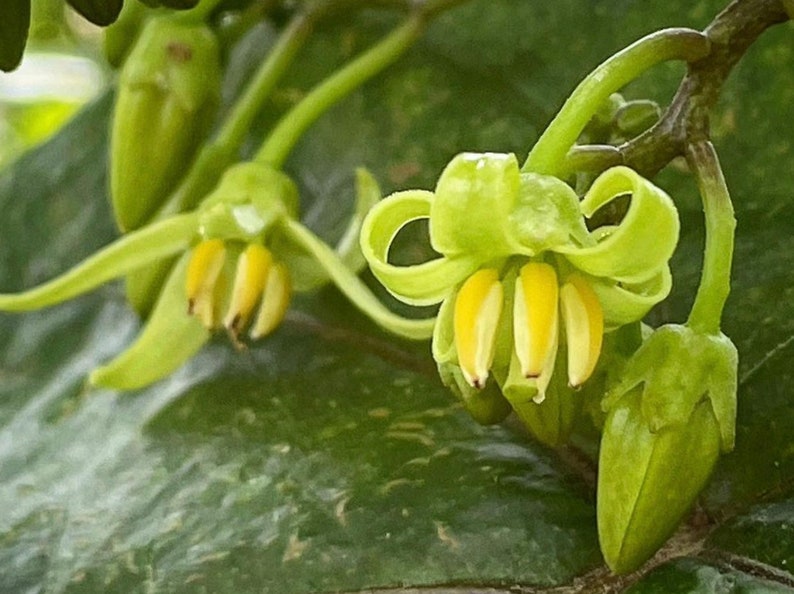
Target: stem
x=285, y=135
x=548, y=154
x=731, y=33
x=222, y=150
x=715, y=280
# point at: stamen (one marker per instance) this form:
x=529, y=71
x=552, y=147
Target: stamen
x=206, y=263
x=535, y=318
x=478, y=307
x=249, y=282
x=275, y=301
x=584, y=328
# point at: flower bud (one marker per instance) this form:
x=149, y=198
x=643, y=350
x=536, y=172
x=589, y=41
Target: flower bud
x=635, y=117
x=169, y=91
x=99, y=12
x=672, y=411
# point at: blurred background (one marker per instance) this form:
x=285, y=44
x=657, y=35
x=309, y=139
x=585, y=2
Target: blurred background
x=63, y=68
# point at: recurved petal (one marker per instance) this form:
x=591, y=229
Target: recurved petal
x=169, y=338
x=419, y=284
x=624, y=303
x=643, y=242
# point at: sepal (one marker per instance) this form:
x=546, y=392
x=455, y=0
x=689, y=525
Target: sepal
x=669, y=395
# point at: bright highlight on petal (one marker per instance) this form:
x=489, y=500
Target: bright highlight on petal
x=478, y=307
x=249, y=282
x=535, y=315
x=275, y=301
x=204, y=268
x=584, y=328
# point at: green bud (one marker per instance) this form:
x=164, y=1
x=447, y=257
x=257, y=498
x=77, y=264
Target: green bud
x=635, y=117
x=168, y=95
x=99, y=12
x=668, y=418
x=14, y=25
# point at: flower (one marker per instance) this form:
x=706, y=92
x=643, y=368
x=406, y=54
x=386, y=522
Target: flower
x=241, y=254
x=520, y=278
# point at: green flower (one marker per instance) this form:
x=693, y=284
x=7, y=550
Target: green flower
x=243, y=252
x=520, y=276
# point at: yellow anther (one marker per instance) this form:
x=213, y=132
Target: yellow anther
x=253, y=266
x=535, y=318
x=275, y=301
x=584, y=327
x=204, y=268
x=478, y=307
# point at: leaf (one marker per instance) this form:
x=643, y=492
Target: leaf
x=329, y=458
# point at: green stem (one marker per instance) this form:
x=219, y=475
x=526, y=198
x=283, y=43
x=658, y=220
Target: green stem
x=285, y=135
x=123, y=256
x=715, y=280
x=217, y=154
x=548, y=154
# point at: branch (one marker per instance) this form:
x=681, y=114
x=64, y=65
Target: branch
x=686, y=120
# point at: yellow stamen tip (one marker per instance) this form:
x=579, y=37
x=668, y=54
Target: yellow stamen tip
x=584, y=328
x=478, y=307
x=275, y=301
x=535, y=319
x=204, y=268
x=250, y=276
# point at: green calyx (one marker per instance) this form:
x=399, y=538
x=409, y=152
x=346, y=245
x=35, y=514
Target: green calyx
x=668, y=395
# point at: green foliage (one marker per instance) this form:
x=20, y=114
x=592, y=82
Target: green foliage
x=330, y=458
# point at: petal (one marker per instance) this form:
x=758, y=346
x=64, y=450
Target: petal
x=645, y=239
x=420, y=284
x=351, y=285
x=535, y=315
x=584, y=327
x=478, y=307
x=123, y=256
x=624, y=303
x=474, y=199
x=169, y=338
